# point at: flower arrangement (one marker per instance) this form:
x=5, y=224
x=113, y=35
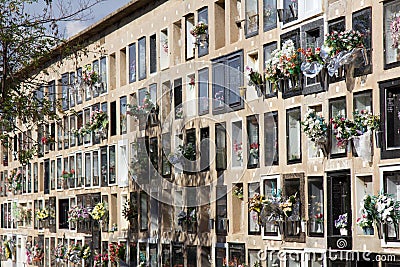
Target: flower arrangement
x=47, y=140
x=287, y=206
x=165, y=45
x=365, y=121
x=271, y=211
x=99, y=211
x=129, y=211
x=368, y=212
x=344, y=41
x=284, y=63
x=238, y=149
x=38, y=253
x=188, y=151
x=319, y=218
x=42, y=214
x=86, y=252
x=395, y=31
x=192, y=81
x=7, y=249
x=15, y=181
x=28, y=253
x=314, y=126
x=255, y=78
x=343, y=130
x=364, y=221
x=254, y=150
x=142, y=259
x=90, y=77
x=387, y=208
x=101, y=260
x=73, y=253
x=78, y=214
x=117, y=252
x=312, y=56
x=60, y=252
x=66, y=174
x=146, y=107
x=341, y=222
x=256, y=202
x=199, y=28
x=25, y=214
x=238, y=192
x=98, y=120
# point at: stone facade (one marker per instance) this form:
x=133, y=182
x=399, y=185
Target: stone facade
x=147, y=46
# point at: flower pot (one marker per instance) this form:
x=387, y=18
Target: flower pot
x=368, y=230
x=379, y=229
x=378, y=139
x=343, y=231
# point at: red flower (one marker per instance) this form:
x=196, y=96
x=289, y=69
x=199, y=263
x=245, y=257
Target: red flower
x=44, y=140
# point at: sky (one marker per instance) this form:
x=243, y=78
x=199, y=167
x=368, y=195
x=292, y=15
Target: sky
x=98, y=12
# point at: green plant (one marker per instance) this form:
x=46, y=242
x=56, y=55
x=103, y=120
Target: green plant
x=129, y=211
x=188, y=151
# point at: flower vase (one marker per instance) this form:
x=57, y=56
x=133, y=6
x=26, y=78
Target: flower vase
x=368, y=230
x=253, y=160
x=260, y=89
x=273, y=227
x=281, y=227
x=321, y=144
x=378, y=138
x=303, y=226
x=343, y=232
x=379, y=229
x=319, y=227
x=202, y=39
x=362, y=145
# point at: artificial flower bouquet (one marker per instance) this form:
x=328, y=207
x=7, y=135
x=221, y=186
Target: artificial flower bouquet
x=78, y=214
x=344, y=41
x=341, y=222
x=199, y=28
x=312, y=55
x=343, y=129
x=99, y=211
x=146, y=107
x=90, y=77
x=314, y=126
x=255, y=78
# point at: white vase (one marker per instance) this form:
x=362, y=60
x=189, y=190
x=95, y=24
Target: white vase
x=363, y=146
x=319, y=227
x=343, y=231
